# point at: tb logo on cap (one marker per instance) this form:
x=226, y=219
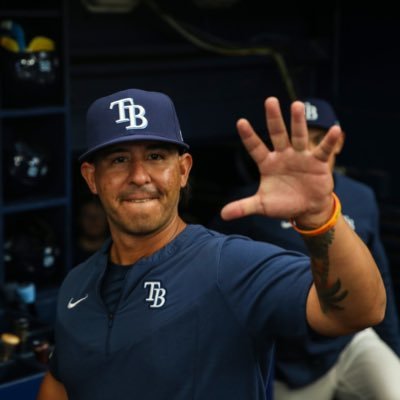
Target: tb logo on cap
x=310, y=111
x=130, y=112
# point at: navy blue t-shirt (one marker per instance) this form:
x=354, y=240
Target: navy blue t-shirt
x=300, y=361
x=195, y=320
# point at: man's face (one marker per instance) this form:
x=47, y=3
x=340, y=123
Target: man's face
x=138, y=184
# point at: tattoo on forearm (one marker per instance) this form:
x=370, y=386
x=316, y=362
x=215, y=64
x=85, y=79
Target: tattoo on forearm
x=330, y=293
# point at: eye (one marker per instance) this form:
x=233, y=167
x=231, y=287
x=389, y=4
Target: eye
x=119, y=159
x=155, y=156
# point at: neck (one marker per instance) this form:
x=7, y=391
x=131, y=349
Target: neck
x=128, y=249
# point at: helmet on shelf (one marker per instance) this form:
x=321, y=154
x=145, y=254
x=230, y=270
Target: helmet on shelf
x=31, y=250
x=27, y=167
x=31, y=71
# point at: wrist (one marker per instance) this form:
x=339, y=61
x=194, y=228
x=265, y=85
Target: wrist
x=315, y=228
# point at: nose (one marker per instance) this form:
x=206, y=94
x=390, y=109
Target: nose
x=138, y=173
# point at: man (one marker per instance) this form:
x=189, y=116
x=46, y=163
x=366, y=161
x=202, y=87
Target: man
x=167, y=310
x=361, y=366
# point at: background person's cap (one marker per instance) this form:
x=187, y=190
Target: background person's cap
x=319, y=113
x=131, y=115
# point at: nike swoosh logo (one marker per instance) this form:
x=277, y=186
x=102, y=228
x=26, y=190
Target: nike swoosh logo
x=72, y=303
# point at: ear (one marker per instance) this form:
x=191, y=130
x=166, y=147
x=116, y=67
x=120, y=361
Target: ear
x=185, y=165
x=340, y=143
x=87, y=171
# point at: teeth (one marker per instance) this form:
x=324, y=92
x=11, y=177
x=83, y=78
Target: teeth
x=139, y=201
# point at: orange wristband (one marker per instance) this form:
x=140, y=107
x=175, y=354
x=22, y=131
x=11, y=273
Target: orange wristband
x=337, y=208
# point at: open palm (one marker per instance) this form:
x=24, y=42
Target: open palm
x=294, y=180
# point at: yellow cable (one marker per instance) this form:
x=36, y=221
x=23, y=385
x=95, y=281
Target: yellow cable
x=229, y=51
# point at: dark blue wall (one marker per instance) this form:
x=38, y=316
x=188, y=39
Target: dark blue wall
x=342, y=52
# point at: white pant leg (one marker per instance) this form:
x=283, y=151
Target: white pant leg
x=368, y=369
x=322, y=389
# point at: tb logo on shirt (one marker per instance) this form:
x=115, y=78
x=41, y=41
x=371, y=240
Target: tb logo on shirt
x=156, y=296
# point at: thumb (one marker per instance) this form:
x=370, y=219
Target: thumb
x=241, y=208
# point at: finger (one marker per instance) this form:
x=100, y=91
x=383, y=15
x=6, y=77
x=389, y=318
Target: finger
x=276, y=126
x=299, y=133
x=240, y=208
x=256, y=148
x=327, y=145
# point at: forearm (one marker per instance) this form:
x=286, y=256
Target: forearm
x=348, y=292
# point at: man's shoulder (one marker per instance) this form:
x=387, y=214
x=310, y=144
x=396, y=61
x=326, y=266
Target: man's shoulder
x=232, y=243
x=85, y=268
x=211, y=240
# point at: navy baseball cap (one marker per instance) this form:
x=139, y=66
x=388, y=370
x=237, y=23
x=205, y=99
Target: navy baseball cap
x=131, y=115
x=319, y=114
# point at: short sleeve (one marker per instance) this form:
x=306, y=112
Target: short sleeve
x=265, y=286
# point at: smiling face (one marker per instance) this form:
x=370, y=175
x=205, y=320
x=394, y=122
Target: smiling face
x=139, y=185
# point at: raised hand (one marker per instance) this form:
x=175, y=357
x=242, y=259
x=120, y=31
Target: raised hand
x=295, y=181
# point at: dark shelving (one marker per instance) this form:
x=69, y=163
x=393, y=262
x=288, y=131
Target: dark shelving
x=35, y=190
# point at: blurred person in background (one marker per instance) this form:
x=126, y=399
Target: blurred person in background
x=92, y=228
x=361, y=366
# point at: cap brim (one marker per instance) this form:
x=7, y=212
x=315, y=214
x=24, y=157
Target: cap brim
x=126, y=139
